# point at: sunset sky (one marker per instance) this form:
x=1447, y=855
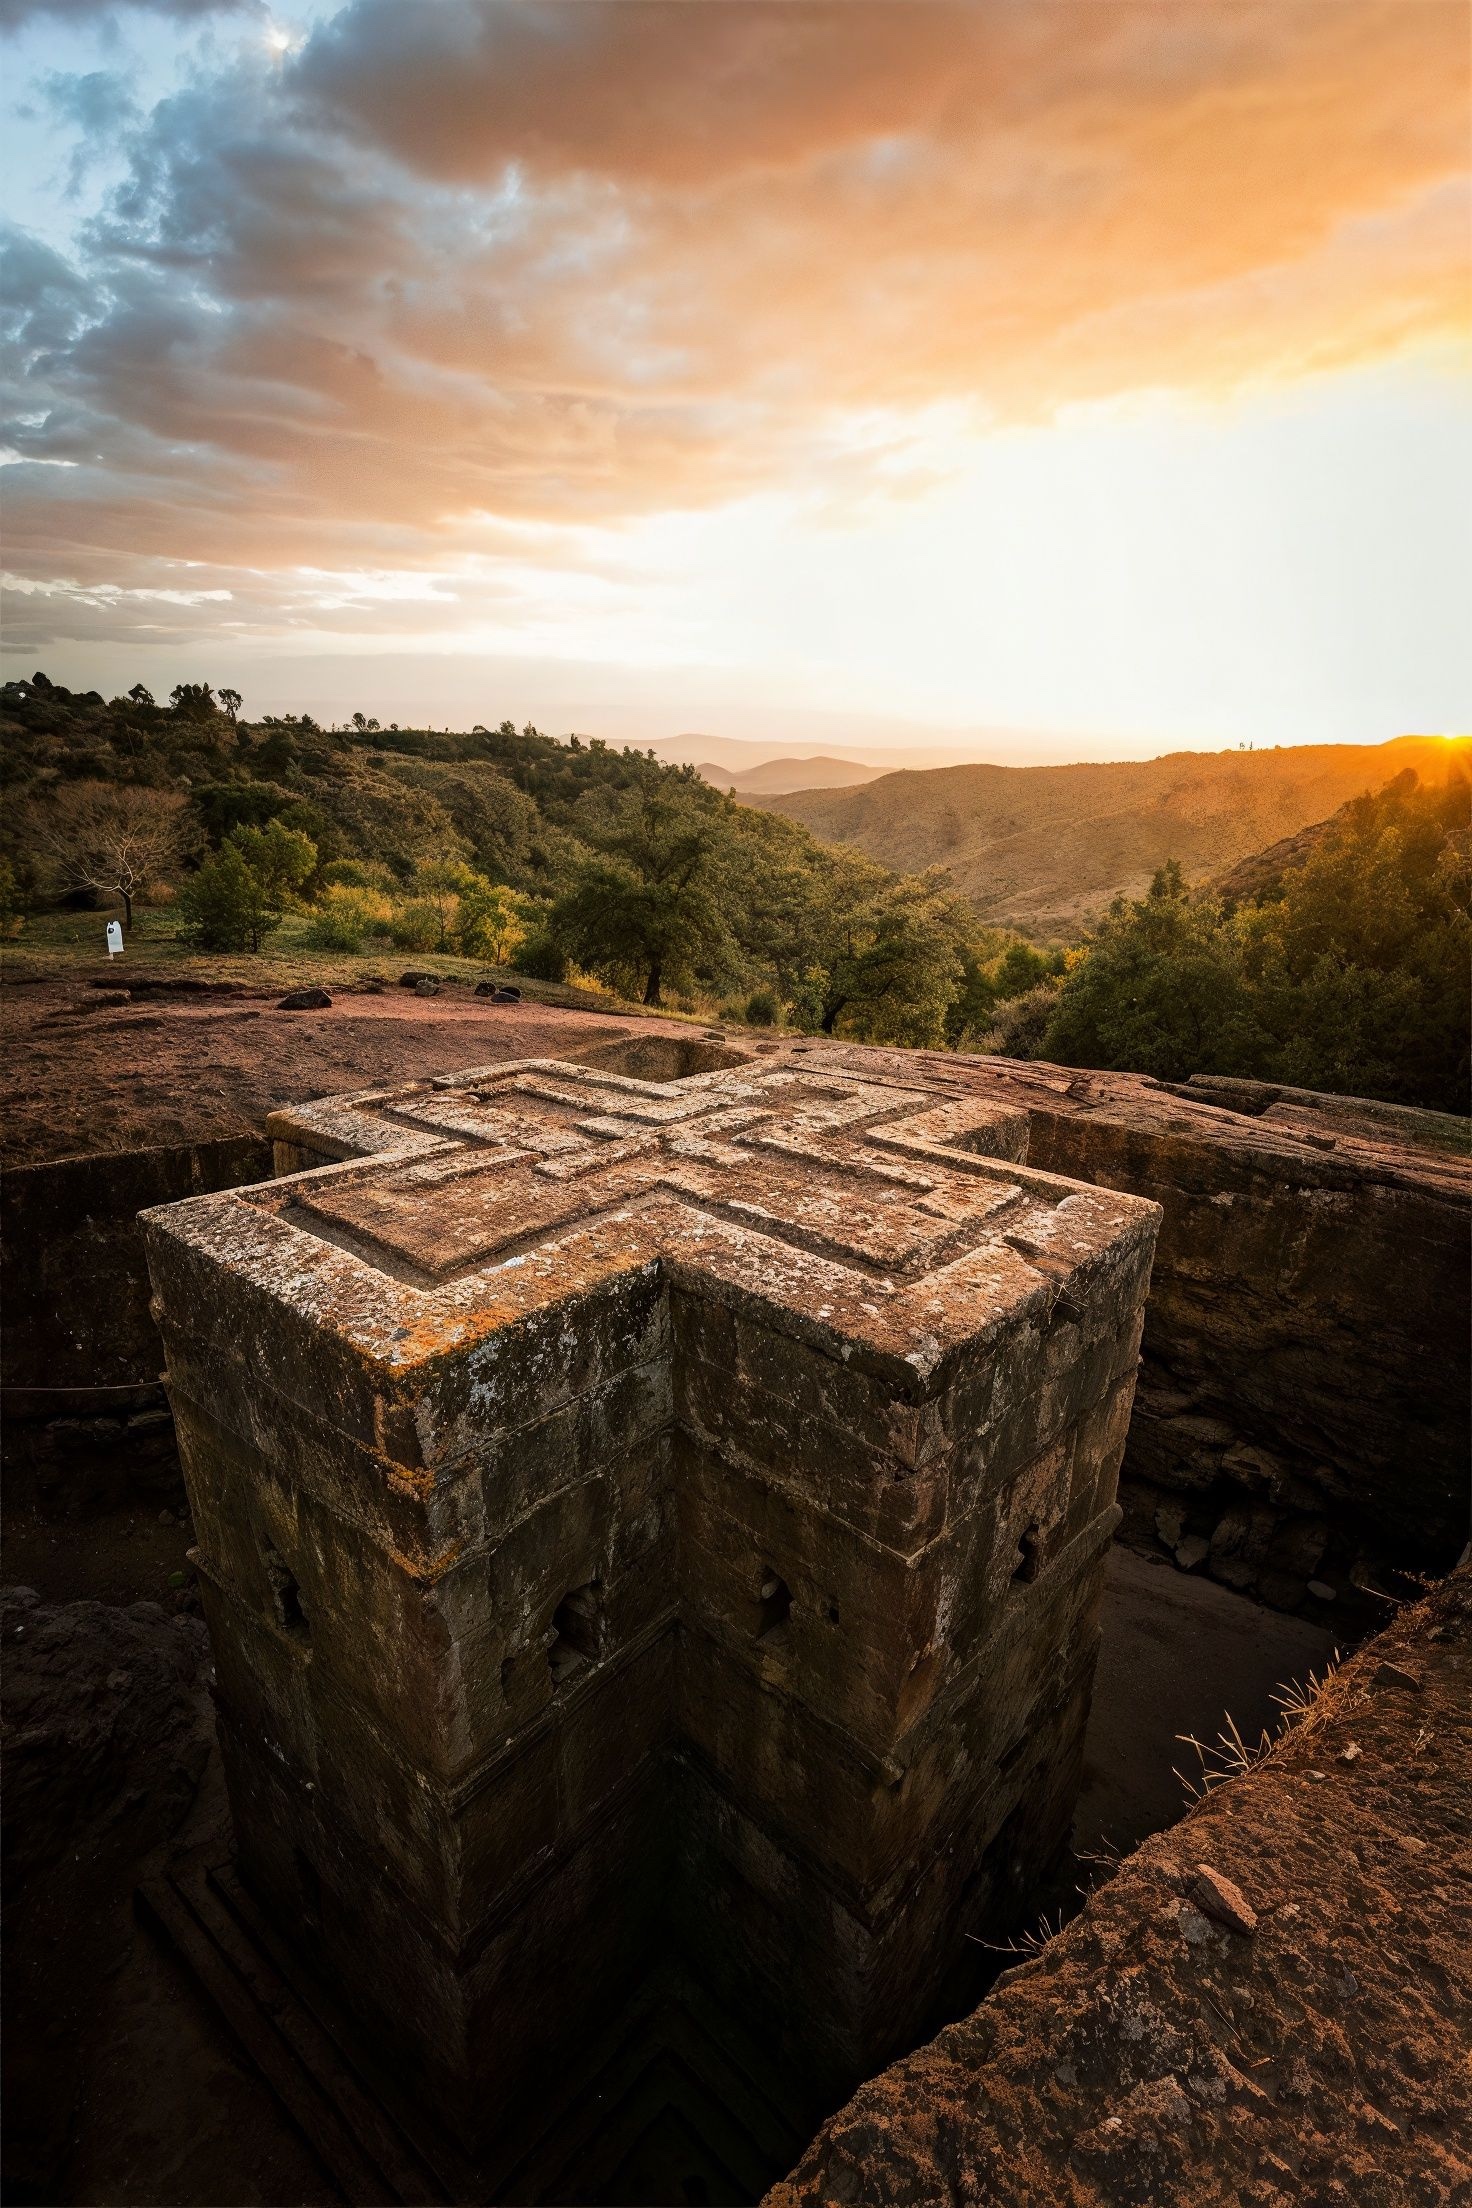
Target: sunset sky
x=1026, y=379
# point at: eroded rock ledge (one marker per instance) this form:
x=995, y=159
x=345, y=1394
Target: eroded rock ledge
x=1153, y=2053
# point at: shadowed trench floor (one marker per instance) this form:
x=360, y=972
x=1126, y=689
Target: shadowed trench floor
x=168, y=2112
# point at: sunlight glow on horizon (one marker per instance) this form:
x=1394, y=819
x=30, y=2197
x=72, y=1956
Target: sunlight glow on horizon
x=414, y=353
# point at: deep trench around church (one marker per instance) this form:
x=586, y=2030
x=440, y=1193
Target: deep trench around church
x=167, y=2110
x=1179, y=1654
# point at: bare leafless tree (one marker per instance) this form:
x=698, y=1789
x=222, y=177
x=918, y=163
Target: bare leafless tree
x=112, y=840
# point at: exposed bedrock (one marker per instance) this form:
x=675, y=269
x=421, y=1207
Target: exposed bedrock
x=1267, y=2004
x=86, y=1420
x=1301, y=1417
x=1302, y=1414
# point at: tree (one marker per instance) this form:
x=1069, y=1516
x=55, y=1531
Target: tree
x=140, y=696
x=1359, y=962
x=1350, y=975
x=1161, y=990
x=441, y=884
x=491, y=921
x=900, y=968
x=225, y=905
x=282, y=858
x=641, y=911
x=239, y=895
x=111, y=841
x=230, y=700
x=193, y=701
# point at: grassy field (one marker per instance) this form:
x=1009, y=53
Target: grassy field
x=57, y=946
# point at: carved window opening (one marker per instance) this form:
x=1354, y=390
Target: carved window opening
x=286, y=1595
x=774, y=1604
x=1029, y=1555
x=574, y=1633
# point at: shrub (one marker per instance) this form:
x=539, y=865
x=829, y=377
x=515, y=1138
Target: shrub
x=226, y=906
x=345, y=916
x=359, y=874
x=541, y=957
x=1020, y=1024
x=416, y=926
x=761, y=1008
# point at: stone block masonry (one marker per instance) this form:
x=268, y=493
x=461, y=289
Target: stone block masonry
x=650, y=1521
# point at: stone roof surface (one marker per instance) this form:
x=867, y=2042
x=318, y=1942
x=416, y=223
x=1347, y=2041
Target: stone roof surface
x=880, y=1214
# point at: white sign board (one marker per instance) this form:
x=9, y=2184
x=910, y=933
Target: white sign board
x=114, y=938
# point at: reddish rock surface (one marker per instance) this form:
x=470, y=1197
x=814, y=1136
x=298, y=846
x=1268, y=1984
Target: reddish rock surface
x=196, y=1067
x=1151, y=2054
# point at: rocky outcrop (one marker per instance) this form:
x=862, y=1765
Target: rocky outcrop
x=1266, y=2005
x=1301, y=1421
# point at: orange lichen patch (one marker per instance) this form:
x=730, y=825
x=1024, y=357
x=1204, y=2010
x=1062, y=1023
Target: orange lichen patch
x=427, y=1570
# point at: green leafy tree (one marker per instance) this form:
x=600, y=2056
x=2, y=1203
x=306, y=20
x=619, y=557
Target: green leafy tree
x=992, y=977
x=642, y=911
x=442, y=883
x=225, y=906
x=1360, y=964
x=1162, y=990
x=490, y=922
x=238, y=896
x=282, y=858
x=884, y=954
x=899, y=981
x=1350, y=975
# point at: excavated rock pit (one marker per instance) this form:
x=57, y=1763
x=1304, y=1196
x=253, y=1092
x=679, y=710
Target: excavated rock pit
x=1301, y=1239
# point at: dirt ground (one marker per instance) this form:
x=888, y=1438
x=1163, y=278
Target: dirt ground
x=81, y=1074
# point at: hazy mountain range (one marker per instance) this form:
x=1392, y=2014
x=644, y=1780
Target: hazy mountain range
x=1046, y=848
x=779, y=777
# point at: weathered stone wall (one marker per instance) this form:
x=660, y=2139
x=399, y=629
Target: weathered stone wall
x=1302, y=1415
x=1306, y=1239
x=85, y=1418
x=1267, y=2004
x=1303, y=1409
x=650, y=1519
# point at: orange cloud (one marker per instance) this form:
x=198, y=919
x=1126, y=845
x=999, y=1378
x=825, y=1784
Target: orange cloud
x=459, y=268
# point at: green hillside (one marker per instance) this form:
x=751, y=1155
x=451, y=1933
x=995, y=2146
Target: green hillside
x=1046, y=849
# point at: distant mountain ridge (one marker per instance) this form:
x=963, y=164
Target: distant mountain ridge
x=1044, y=849
x=779, y=777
